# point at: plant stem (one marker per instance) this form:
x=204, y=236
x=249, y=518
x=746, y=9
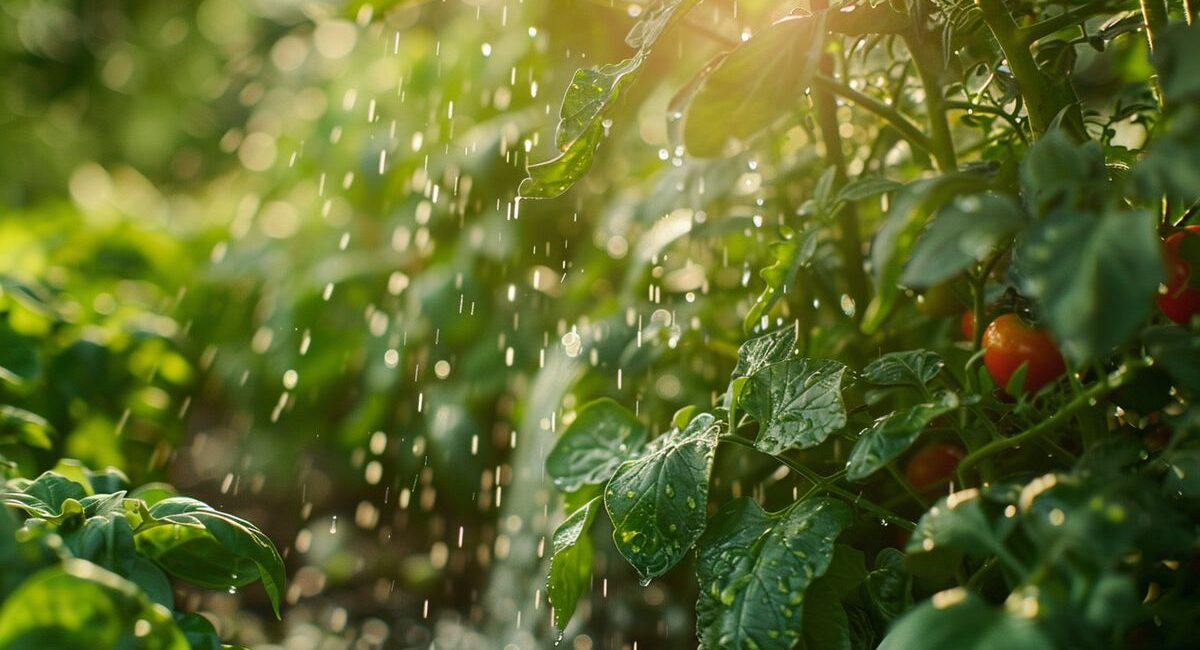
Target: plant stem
x=826, y=484
x=929, y=65
x=1082, y=400
x=1154, y=15
x=1055, y=24
x=895, y=118
x=1044, y=98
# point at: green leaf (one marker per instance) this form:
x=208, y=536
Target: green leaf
x=51, y=496
x=865, y=187
x=20, y=558
x=972, y=522
x=965, y=231
x=655, y=20
x=553, y=177
x=603, y=435
x=1094, y=276
x=1176, y=50
x=758, y=353
x=657, y=502
x=571, y=562
x=754, y=570
x=1177, y=351
x=80, y=606
x=912, y=368
x=106, y=541
x=209, y=548
x=826, y=624
x=789, y=255
x=590, y=96
x=887, y=584
x=199, y=632
x=761, y=80
x=892, y=434
x=895, y=239
x=957, y=619
x=24, y=427
x=797, y=403
x=152, y=581
x=1058, y=172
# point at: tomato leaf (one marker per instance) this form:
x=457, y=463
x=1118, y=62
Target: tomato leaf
x=890, y=435
x=825, y=623
x=760, y=352
x=603, y=435
x=657, y=502
x=965, y=231
x=1094, y=276
x=865, y=187
x=912, y=368
x=1058, y=172
x=971, y=522
x=192, y=541
x=790, y=256
x=755, y=568
x=760, y=81
x=590, y=96
x=957, y=619
x=571, y=563
x=551, y=178
x=797, y=403
x=80, y=606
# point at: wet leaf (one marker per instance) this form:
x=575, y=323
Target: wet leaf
x=797, y=403
x=957, y=619
x=603, y=435
x=912, y=368
x=890, y=435
x=571, y=562
x=965, y=231
x=760, y=352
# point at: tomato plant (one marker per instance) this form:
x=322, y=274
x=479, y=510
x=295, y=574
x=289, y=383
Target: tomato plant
x=896, y=149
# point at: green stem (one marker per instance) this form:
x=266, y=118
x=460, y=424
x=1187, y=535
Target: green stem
x=1044, y=98
x=1055, y=24
x=897, y=120
x=989, y=110
x=908, y=489
x=929, y=67
x=1154, y=14
x=826, y=484
x=1083, y=400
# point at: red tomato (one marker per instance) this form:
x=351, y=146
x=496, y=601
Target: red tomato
x=1180, y=302
x=933, y=464
x=1008, y=342
x=967, y=324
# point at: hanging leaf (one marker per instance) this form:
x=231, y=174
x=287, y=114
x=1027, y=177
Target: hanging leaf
x=571, y=562
x=797, y=403
x=762, y=80
x=754, y=570
x=964, y=232
x=790, y=256
x=912, y=368
x=603, y=435
x=892, y=434
x=553, y=177
x=657, y=502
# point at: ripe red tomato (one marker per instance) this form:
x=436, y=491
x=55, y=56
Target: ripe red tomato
x=1180, y=302
x=967, y=324
x=1008, y=343
x=933, y=464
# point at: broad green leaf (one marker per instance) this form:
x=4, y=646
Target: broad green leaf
x=555, y=176
x=965, y=231
x=603, y=435
x=761, y=80
x=826, y=624
x=957, y=619
x=51, y=496
x=213, y=549
x=656, y=18
x=657, y=503
x=912, y=368
x=590, y=96
x=758, y=353
x=887, y=584
x=895, y=239
x=1177, y=351
x=865, y=187
x=24, y=427
x=107, y=481
x=80, y=606
x=1094, y=276
x=971, y=522
x=571, y=562
x=755, y=568
x=106, y=541
x=892, y=434
x=1058, y=172
x=789, y=255
x=199, y=632
x=152, y=581
x=797, y=403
